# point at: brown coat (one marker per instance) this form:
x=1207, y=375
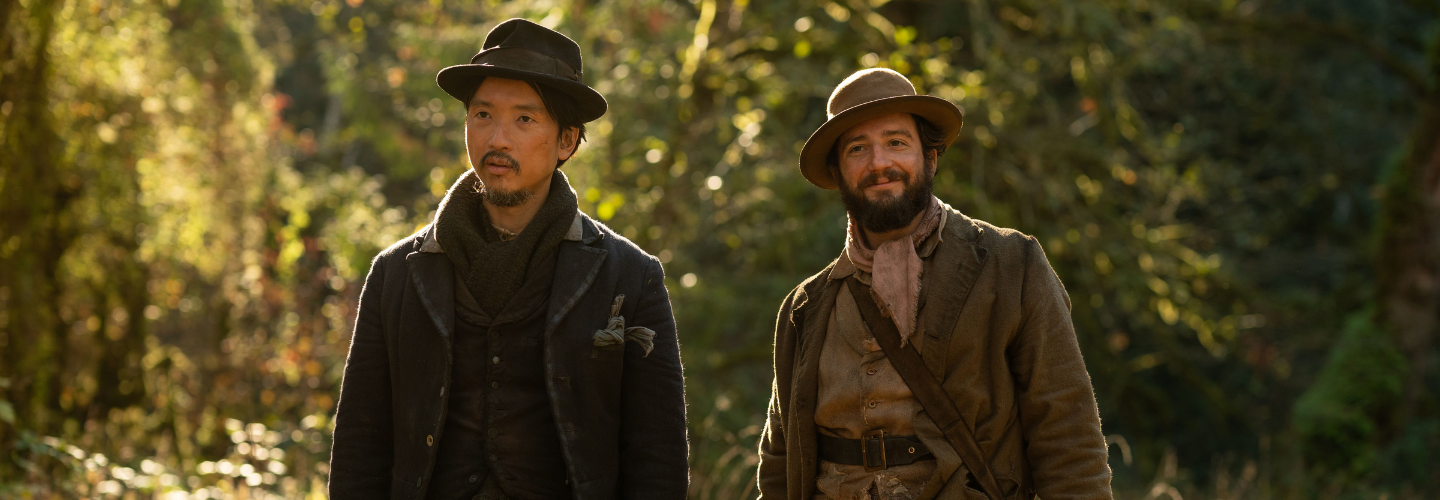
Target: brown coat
x=1008, y=358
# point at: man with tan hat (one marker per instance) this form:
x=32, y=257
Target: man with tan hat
x=514, y=348
x=935, y=358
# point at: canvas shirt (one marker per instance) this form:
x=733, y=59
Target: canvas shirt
x=859, y=391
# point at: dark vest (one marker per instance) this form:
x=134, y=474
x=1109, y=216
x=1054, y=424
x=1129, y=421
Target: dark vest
x=499, y=419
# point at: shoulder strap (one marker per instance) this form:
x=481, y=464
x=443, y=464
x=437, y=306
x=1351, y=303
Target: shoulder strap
x=926, y=389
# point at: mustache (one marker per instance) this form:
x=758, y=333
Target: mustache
x=890, y=174
x=499, y=158
x=888, y=213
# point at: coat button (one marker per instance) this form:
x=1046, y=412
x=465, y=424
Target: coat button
x=492, y=433
x=474, y=478
x=495, y=360
x=870, y=371
x=494, y=458
x=442, y=391
x=871, y=404
x=494, y=385
x=430, y=440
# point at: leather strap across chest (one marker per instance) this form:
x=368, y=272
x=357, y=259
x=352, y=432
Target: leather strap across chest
x=926, y=388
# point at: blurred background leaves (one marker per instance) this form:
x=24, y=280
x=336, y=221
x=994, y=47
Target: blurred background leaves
x=1240, y=197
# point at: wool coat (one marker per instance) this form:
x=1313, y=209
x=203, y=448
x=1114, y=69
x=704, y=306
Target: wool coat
x=619, y=412
x=998, y=336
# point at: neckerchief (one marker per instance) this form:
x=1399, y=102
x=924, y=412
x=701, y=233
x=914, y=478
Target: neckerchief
x=895, y=268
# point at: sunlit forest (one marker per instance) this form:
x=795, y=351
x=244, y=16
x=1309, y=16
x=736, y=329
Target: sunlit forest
x=1241, y=197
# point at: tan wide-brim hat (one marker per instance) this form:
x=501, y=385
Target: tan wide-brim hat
x=864, y=95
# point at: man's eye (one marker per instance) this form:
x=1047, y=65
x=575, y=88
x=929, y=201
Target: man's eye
x=856, y=149
x=482, y=114
x=897, y=143
x=526, y=119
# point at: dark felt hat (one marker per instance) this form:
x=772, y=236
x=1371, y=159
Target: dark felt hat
x=522, y=50
x=864, y=95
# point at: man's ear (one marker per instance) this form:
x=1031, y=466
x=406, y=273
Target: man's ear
x=569, y=142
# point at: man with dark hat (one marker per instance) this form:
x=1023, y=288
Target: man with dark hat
x=935, y=358
x=514, y=348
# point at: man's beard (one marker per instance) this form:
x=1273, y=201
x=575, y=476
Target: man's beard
x=498, y=197
x=890, y=213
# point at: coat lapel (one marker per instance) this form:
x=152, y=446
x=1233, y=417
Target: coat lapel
x=957, y=265
x=434, y=279
x=814, y=322
x=576, y=267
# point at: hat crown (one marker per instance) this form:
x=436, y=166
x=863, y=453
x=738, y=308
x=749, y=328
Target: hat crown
x=865, y=86
x=518, y=49
x=525, y=34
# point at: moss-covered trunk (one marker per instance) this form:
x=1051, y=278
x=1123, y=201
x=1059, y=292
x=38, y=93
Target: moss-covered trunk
x=1408, y=265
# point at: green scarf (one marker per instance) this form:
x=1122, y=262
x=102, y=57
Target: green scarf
x=492, y=269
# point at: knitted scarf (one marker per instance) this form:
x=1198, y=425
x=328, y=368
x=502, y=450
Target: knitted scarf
x=895, y=268
x=492, y=269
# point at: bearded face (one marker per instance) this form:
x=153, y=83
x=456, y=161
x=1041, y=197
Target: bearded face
x=885, y=175
x=888, y=212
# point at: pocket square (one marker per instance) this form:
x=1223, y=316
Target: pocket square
x=615, y=332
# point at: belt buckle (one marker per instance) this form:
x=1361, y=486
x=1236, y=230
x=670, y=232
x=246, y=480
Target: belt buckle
x=879, y=437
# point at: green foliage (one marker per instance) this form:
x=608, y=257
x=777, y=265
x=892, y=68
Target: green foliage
x=1409, y=458
x=1341, y=415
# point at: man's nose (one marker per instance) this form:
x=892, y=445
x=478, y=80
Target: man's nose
x=500, y=139
x=881, y=162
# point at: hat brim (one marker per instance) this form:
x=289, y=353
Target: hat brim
x=460, y=82
x=939, y=112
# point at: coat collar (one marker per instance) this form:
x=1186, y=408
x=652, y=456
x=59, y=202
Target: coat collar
x=578, y=232
x=956, y=267
x=434, y=275
x=576, y=267
x=957, y=259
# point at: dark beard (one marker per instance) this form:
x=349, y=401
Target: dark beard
x=498, y=197
x=891, y=213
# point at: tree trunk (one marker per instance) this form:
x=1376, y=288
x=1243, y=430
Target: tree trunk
x=1408, y=268
x=33, y=194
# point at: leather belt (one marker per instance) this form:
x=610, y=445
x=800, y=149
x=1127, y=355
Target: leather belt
x=875, y=450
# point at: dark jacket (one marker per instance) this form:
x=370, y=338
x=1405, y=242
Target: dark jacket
x=998, y=336
x=620, y=414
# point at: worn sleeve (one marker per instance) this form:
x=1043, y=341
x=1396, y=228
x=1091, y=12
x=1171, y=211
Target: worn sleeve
x=362, y=453
x=654, y=451
x=771, y=475
x=1064, y=445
